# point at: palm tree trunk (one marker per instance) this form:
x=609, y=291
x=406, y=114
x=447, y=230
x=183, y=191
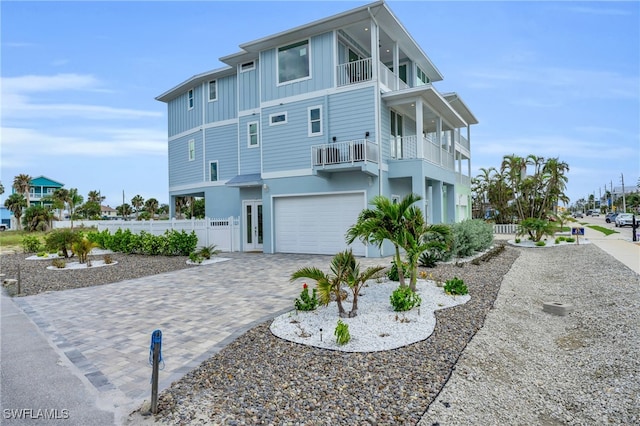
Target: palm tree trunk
x=399, y=266
x=354, y=305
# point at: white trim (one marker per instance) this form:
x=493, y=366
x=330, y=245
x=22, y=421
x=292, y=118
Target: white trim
x=278, y=123
x=308, y=194
x=287, y=173
x=209, y=90
x=192, y=186
x=316, y=94
x=191, y=143
x=257, y=144
x=248, y=112
x=183, y=134
x=217, y=171
x=277, y=51
x=310, y=122
x=206, y=126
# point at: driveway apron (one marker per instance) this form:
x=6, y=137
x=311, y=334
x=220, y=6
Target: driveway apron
x=105, y=331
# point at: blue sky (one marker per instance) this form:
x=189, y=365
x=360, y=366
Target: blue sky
x=554, y=79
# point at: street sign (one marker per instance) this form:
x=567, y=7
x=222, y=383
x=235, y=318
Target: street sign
x=577, y=231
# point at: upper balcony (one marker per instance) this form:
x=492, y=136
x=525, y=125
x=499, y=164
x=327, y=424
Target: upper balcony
x=360, y=154
x=361, y=71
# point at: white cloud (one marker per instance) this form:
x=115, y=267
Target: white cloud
x=46, y=83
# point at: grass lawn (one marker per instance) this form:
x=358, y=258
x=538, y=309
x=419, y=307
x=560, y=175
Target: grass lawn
x=605, y=231
x=12, y=240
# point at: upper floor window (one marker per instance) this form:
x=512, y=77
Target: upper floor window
x=252, y=134
x=422, y=78
x=293, y=61
x=213, y=90
x=213, y=171
x=315, y=121
x=192, y=150
x=247, y=66
x=278, y=118
x=190, y=96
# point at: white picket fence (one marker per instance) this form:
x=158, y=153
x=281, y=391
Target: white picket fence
x=505, y=228
x=223, y=232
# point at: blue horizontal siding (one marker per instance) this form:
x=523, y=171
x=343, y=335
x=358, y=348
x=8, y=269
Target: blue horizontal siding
x=351, y=114
x=249, y=157
x=181, y=118
x=249, y=96
x=225, y=107
x=181, y=170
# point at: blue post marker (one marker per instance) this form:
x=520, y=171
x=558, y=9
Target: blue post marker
x=155, y=358
x=577, y=231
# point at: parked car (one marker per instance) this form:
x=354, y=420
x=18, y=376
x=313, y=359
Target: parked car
x=624, y=219
x=611, y=217
x=593, y=213
x=3, y=227
x=578, y=215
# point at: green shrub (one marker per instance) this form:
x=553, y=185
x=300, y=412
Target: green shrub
x=570, y=239
x=62, y=240
x=471, y=236
x=102, y=239
x=517, y=240
x=404, y=299
x=58, y=263
x=392, y=273
x=195, y=257
x=82, y=249
x=306, y=302
x=536, y=228
x=342, y=333
x=171, y=243
x=208, y=251
x=456, y=287
x=540, y=243
x=31, y=244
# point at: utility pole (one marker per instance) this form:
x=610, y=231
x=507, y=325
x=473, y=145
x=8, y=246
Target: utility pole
x=624, y=200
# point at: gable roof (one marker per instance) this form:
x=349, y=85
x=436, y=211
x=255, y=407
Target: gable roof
x=45, y=181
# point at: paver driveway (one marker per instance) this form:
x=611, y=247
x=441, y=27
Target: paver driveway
x=105, y=330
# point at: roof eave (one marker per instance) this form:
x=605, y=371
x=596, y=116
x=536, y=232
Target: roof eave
x=194, y=81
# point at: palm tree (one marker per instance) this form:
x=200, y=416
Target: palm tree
x=556, y=183
x=22, y=185
x=151, y=205
x=385, y=222
x=137, y=202
x=124, y=210
x=355, y=280
x=15, y=203
x=60, y=199
x=1, y=188
x=74, y=200
x=95, y=197
x=330, y=284
x=37, y=218
x=180, y=203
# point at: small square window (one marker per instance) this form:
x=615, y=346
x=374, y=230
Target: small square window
x=213, y=90
x=276, y=119
x=252, y=134
x=192, y=150
x=248, y=66
x=213, y=171
x=190, y=96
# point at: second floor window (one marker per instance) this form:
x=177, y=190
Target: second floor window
x=213, y=90
x=279, y=118
x=315, y=121
x=252, y=134
x=190, y=96
x=192, y=150
x=293, y=61
x=422, y=77
x=213, y=171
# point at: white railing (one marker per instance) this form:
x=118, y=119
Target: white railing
x=355, y=72
x=344, y=152
x=463, y=179
x=505, y=228
x=223, y=232
x=389, y=79
x=462, y=141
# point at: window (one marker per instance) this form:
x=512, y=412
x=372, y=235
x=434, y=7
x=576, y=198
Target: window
x=213, y=171
x=315, y=121
x=293, y=61
x=192, y=150
x=252, y=134
x=422, y=77
x=279, y=118
x=247, y=66
x=190, y=96
x=213, y=90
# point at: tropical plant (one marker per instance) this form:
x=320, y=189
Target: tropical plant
x=536, y=228
x=1, y=188
x=384, y=222
x=330, y=284
x=124, y=210
x=62, y=240
x=306, y=302
x=404, y=299
x=37, y=218
x=31, y=244
x=95, y=197
x=74, y=200
x=137, y=202
x=207, y=251
x=196, y=257
x=456, y=286
x=22, y=185
x=15, y=203
x=82, y=248
x=470, y=236
x=58, y=263
x=151, y=205
x=356, y=280
x=342, y=333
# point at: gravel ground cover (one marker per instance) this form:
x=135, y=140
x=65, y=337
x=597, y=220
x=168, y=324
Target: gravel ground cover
x=35, y=278
x=262, y=379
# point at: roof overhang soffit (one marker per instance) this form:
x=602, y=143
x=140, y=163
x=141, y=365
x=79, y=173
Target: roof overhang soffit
x=431, y=98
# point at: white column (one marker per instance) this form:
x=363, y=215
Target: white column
x=439, y=136
x=396, y=66
x=419, y=128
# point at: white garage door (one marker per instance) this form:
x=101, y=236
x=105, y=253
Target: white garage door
x=317, y=224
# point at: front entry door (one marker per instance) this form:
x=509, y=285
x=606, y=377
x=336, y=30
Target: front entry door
x=252, y=225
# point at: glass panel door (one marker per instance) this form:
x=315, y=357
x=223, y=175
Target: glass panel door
x=253, y=231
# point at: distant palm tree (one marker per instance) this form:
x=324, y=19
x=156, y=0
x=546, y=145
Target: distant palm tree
x=22, y=185
x=180, y=203
x=151, y=205
x=74, y=200
x=95, y=197
x=124, y=210
x=1, y=188
x=60, y=199
x=15, y=203
x=137, y=202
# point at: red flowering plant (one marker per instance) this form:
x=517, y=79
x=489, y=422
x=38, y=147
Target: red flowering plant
x=306, y=302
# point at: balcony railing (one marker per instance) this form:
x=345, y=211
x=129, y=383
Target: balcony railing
x=389, y=79
x=355, y=72
x=350, y=152
x=462, y=141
